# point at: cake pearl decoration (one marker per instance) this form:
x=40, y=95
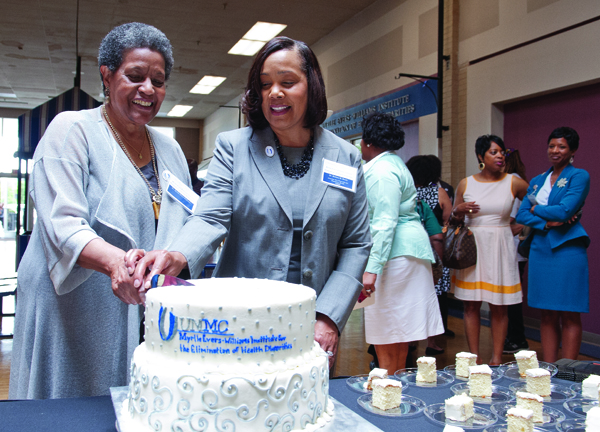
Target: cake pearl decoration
x=243, y=328
x=249, y=310
x=280, y=317
x=220, y=308
x=234, y=318
x=269, y=308
x=257, y=323
x=290, y=308
x=271, y=329
x=289, y=324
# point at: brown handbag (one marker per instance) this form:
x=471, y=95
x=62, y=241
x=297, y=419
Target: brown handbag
x=460, y=249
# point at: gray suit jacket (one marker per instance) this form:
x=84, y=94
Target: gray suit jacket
x=245, y=199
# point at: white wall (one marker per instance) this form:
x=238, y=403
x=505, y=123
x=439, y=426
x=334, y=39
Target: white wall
x=222, y=120
x=562, y=61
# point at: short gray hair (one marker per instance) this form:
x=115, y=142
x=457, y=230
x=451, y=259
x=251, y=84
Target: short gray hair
x=130, y=36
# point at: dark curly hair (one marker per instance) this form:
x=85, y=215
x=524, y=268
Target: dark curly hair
x=382, y=131
x=131, y=36
x=316, y=110
x=422, y=169
x=569, y=134
x=483, y=144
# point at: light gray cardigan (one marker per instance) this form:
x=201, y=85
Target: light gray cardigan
x=73, y=337
x=245, y=198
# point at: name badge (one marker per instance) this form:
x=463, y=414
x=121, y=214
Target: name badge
x=180, y=192
x=339, y=175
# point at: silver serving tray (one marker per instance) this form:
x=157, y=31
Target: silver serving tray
x=344, y=419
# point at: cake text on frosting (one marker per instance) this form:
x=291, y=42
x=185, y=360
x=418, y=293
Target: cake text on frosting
x=205, y=331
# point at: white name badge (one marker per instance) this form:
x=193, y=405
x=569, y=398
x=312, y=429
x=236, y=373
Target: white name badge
x=180, y=192
x=339, y=175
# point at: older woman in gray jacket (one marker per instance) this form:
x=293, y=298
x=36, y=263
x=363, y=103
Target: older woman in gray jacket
x=95, y=185
x=269, y=191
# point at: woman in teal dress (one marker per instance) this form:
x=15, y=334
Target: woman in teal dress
x=558, y=265
x=398, y=272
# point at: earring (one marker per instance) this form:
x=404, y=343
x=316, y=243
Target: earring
x=481, y=166
x=106, y=96
x=368, y=145
x=572, y=159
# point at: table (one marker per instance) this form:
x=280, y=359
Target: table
x=96, y=414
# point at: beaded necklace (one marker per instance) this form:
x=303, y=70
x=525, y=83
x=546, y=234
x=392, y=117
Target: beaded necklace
x=156, y=196
x=296, y=171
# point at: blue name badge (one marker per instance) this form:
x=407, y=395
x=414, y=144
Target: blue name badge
x=339, y=175
x=180, y=192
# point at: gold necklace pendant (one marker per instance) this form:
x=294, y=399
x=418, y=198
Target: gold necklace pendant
x=156, y=208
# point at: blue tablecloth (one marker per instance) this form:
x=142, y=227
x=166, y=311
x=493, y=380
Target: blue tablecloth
x=96, y=414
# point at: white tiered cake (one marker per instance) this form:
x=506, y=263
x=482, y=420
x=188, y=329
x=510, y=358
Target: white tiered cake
x=229, y=354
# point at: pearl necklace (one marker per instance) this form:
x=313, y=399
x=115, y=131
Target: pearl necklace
x=298, y=170
x=156, y=196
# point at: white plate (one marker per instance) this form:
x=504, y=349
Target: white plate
x=504, y=428
x=499, y=394
x=409, y=376
x=559, y=393
x=409, y=406
x=358, y=383
x=497, y=372
x=571, y=425
x=580, y=406
x=483, y=417
x=511, y=370
x=550, y=415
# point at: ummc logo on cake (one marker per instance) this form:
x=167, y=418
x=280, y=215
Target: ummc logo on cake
x=201, y=326
x=203, y=336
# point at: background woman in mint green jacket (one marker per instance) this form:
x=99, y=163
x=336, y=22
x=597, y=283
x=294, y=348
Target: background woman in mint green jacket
x=398, y=272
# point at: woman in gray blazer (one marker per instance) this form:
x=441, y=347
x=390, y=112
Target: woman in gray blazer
x=288, y=195
x=96, y=188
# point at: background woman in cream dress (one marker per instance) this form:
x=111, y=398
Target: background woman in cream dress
x=486, y=200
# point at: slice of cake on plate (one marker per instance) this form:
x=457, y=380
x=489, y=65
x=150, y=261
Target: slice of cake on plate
x=538, y=382
x=387, y=393
x=526, y=360
x=519, y=420
x=450, y=428
x=589, y=387
x=426, y=369
x=533, y=402
x=480, y=381
x=464, y=360
x=459, y=408
x=592, y=420
x=376, y=374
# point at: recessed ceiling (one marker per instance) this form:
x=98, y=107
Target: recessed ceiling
x=38, y=44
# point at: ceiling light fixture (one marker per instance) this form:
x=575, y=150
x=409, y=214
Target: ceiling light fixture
x=256, y=37
x=179, y=110
x=207, y=84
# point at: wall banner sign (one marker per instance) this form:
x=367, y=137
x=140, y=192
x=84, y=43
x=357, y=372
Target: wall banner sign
x=407, y=103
